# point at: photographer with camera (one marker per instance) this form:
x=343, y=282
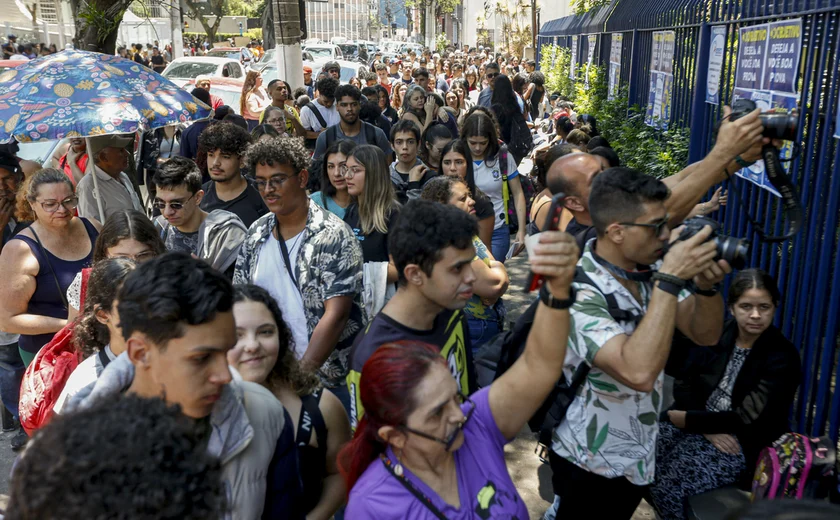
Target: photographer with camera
x=636, y=291
x=739, y=142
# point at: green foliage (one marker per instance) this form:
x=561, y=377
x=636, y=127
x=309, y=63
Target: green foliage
x=581, y=7
x=243, y=8
x=254, y=34
x=655, y=152
x=441, y=43
x=105, y=20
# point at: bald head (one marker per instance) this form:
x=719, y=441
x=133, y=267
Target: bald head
x=572, y=174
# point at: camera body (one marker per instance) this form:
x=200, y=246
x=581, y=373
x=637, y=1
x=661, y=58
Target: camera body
x=733, y=250
x=776, y=125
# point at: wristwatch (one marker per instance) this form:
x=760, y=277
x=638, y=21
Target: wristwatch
x=547, y=298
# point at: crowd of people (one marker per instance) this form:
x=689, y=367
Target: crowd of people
x=291, y=324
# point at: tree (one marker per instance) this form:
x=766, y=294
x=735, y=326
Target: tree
x=98, y=23
x=216, y=8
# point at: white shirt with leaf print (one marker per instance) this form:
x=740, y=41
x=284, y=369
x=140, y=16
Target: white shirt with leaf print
x=610, y=429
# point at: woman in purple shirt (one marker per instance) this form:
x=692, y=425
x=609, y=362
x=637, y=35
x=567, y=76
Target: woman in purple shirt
x=424, y=451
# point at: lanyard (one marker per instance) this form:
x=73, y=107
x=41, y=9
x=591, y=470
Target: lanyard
x=414, y=491
x=285, y=252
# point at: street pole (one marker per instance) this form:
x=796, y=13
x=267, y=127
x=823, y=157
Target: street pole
x=287, y=37
x=534, y=28
x=59, y=13
x=175, y=30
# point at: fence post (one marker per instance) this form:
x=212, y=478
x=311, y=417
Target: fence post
x=697, y=144
x=634, y=67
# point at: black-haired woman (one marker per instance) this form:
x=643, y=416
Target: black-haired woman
x=435, y=138
x=731, y=400
x=535, y=94
x=456, y=161
x=333, y=195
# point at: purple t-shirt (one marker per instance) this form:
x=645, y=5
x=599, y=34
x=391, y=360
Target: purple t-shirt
x=484, y=485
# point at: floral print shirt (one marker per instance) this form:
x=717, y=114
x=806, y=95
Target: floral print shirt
x=328, y=265
x=610, y=429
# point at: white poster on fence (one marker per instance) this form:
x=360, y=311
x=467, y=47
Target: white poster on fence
x=837, y=125
x=615, y=65
x=716, y=48
x=591, y=42
x=767, y=70
x=573, y=61
x=661, y=80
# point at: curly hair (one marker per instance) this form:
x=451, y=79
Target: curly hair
x=27, y=194
x=225, y=137
x=128, y=458
x=286, y=371
x=106, y=278
x=439, y=189
x=278, y=151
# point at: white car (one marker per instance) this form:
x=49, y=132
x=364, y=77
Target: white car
x=324, y=52
x=268, y=60
x=182, y=70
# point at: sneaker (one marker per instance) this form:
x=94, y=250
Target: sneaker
x=19, y=440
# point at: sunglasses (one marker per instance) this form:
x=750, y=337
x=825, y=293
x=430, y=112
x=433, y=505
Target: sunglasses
x=178, y=205
x=492, y=75
x=450, y=439
x=657, y=226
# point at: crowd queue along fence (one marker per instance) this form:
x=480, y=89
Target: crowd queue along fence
x=685, y=60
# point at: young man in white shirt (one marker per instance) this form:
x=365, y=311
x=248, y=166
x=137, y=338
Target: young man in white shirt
x=320, y=113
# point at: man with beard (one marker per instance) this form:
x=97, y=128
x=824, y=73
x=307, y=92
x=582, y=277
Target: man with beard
x=229, y=189
x=348, y=99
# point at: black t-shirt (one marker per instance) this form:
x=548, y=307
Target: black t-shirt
x=375, y=244
x=483, y=206
x=248, y=206
x=449, y=333
x=157, y=63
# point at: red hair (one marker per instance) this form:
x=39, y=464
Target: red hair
x=389, y=378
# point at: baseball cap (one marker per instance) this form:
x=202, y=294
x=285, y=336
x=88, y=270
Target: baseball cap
x=307, y=69
x=332, y=65
x=395, y=61
x=101, y=142
x=12, y=37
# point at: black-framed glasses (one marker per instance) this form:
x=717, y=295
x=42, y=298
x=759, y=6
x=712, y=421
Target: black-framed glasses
x=492, y=75
x=177, y=205
x=51, y=206
x=450, y=439
x=276, y=182
x=657, y=226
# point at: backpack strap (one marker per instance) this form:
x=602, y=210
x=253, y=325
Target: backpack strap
x=83, y=291
x=503, y=166
x=317, y=114
x=311, y=419
x=370, y=133
x=615, y=311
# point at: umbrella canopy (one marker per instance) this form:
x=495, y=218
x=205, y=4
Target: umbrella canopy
x=78, y=93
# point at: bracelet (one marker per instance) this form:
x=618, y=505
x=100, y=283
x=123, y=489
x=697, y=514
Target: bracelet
x=548, y=299
x=668, y=287
x=669, y=283
x=742, y=163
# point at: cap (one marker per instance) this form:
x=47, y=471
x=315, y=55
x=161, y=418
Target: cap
x=307, y=69
x=395, y=61
x=99, y=143
x=202, y=77
x=9, y=163
x=332, y=65
x=12, y=37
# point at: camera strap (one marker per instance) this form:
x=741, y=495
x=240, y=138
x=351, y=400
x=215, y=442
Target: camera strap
x=790, y=198
x=644, y=273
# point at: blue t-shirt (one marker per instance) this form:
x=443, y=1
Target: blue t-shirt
x=331, y=205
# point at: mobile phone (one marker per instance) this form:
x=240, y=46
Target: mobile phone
x=552, y=223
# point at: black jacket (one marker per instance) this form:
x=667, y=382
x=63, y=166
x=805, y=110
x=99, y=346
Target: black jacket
x=762, y=395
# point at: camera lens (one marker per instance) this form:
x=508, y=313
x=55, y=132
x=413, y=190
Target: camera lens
x=733, y=250
x=779, y=126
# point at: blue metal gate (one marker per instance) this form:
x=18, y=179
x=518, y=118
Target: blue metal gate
x=807, y=267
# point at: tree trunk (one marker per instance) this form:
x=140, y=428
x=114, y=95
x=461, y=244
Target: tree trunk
x=98, y=24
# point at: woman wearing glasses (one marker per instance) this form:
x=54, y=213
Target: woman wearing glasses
x=40, y=262
x=424, y=451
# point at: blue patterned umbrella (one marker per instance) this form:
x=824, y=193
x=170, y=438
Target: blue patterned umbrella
x=78, y=93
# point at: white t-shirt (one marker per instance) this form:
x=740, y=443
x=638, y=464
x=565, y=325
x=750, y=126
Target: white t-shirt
x=82, y=376
x=311, y=123
x=271, y=274
x=489, y=180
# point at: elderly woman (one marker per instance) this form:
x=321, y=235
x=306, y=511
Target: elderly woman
x=40, y=262
x=423, y=449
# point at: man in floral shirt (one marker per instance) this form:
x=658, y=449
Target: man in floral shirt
x=307, y=259
x=603, y=452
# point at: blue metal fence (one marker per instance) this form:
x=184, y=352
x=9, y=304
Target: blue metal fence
x=808, y=266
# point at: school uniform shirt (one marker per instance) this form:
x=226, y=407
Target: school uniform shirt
x=488, y=178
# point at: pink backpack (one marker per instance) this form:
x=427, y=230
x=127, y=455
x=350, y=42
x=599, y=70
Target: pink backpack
x=795, y=466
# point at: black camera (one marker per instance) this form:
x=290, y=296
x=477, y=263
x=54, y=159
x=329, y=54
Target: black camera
x=776, y=125
x=733, y=250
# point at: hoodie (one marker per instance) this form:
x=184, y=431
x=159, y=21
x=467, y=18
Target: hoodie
x=407, y=190
x=219, y=238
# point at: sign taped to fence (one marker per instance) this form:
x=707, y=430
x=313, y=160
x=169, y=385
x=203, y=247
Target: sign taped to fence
x=615, y=65
x=591, y=42
x=837, y=126
x=717, y=44
x=573, y=61
x=661, y=80
x=766, y=72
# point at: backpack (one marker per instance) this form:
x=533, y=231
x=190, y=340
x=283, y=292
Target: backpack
x=795, y=466
x=521, y=139
x=317, y=163
x=528, y=192
x=497, y=355
x=310, y=143
x=46, y=376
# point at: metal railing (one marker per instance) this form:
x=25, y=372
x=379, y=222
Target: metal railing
x=806, y=267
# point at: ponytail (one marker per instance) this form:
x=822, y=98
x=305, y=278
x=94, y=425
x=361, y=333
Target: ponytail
x=355, y=457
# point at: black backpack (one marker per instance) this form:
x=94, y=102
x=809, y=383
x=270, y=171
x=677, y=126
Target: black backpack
x=521, y=139
x=497, y=355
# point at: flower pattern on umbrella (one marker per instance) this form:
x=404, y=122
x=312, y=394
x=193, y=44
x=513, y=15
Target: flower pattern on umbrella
x=80, y=93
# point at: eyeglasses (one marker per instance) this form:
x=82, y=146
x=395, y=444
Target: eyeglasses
x=177, y=205
x=450, y=440
x=275, y=182
x=51, y=206
x=657, y=226
x=492, y=75
x=139, y=257
x=349, y=173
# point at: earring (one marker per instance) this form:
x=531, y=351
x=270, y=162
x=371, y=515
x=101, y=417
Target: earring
x=398, y=469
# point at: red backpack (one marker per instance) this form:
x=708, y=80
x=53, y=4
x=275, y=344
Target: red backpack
x=46, y=376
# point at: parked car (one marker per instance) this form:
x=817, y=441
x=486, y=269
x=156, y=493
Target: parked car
x=228, y=89
x=243, y=54
x=269, y=60
x=323, y=52
x=181, y=70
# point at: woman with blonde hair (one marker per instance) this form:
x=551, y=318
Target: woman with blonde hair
x=370, y=215
x=254, y=99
